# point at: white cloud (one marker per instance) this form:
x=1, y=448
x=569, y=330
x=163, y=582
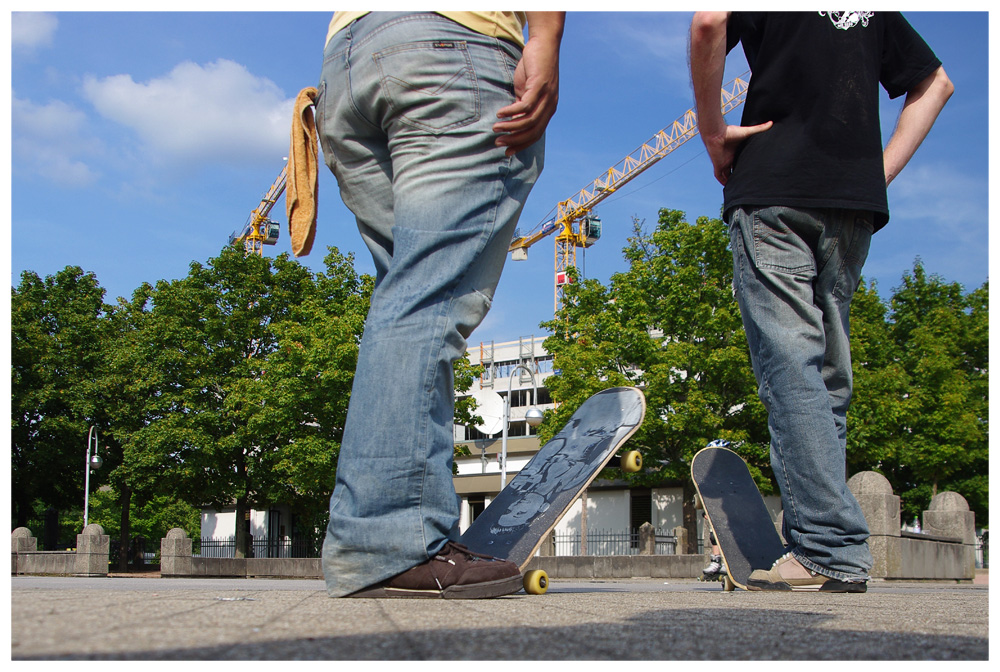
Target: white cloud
x=52, y=140
x=955, y=201
x=219, y=112
x=653, y=40
x=32, y=29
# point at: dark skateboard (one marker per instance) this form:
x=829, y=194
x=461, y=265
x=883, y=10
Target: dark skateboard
x=743, y=527
x=514, y=525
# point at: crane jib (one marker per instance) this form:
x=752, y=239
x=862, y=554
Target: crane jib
x=578, y=209
x=259, y=230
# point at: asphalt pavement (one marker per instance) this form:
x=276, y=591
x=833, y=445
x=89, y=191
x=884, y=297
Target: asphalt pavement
x=128, y=618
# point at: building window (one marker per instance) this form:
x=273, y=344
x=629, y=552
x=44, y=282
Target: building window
x=525, y=397
x=476, y=506
x=642, y=507
x=517, y=428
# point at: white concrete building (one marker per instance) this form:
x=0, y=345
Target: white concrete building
x=273, y=529
x=610, y=506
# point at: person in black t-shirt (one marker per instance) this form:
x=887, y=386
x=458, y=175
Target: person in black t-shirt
x=805, y=179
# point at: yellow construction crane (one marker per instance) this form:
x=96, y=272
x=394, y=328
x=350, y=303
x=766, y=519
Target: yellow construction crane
x=259, y=230
x=575, y=225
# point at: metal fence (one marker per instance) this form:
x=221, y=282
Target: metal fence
x=599, y=542
x=259, y=548
x=666, y=544
x=983, y=551
x=611, y=542
x=140, y=552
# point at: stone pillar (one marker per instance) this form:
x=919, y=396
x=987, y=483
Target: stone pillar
x=21, y=541
x=881, y=509
x=92, y=550
x=548, y=547
x=948, y=515
x=647, y=539
x=681, y=534
x=175, y=554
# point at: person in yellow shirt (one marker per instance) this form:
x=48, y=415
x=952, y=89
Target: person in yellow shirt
x=433, y=125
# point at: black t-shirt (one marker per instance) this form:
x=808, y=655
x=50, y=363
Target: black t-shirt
x=816, y=76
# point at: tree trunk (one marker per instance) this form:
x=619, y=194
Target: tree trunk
x=126, y=528
x=242, y=531
x=23, y=507
x=242, y=511
x=690, y=516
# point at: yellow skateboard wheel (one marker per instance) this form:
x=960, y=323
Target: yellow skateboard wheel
x=536, y=582
x=632, y=461
x=728, y=586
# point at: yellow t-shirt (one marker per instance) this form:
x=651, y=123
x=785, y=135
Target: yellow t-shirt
x=504, y=25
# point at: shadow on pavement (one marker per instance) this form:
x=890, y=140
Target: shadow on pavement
x=674, y=634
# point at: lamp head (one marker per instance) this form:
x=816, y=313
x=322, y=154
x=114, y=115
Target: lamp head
x=533, y=417
x=96, y=462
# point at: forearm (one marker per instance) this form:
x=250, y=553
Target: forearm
x=536, y=84
x=545, y=31
x=708, y=63
x=546, y=26
x=920, y=110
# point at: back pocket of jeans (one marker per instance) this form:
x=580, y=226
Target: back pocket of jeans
x=777, y=247
x=430, y=85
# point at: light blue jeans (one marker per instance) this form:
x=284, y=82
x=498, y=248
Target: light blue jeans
x=405, y=113
x=795, y=271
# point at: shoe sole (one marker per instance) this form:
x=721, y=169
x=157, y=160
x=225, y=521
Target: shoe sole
x=830, y=586
x=475, y=591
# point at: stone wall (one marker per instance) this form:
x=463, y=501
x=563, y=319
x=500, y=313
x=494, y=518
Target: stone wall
x=620, y=566
x=89, y=559
x=176, y=561
x=946, y=549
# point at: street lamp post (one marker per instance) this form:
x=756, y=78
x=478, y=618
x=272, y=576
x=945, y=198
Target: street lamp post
x=93, y=463
x=533, y=417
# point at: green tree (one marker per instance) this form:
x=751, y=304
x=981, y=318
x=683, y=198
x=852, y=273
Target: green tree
x=973, y=483
x=235, y=384
x=151, y=518
x=669, y=325
x=298, y=405
x=876, y=415
x=204, y=350
x=56, y=334
x=465, y=406
x=942, y=339
x=126, y=387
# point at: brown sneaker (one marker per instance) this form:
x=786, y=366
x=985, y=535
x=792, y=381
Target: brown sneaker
x=455, y=573
x=787, y=573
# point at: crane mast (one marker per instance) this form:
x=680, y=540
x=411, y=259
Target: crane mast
x=575, y=225
x=259, y=230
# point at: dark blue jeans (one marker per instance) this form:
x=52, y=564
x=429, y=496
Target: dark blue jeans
x=795, y=272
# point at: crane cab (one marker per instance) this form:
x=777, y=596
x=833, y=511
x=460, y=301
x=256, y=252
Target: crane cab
x=270, y=230
x=590, y=230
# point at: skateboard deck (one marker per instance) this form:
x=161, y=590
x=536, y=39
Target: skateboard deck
x=743, y=527
x=514, y=525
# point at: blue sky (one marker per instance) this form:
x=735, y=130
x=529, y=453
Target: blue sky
x=140, y=141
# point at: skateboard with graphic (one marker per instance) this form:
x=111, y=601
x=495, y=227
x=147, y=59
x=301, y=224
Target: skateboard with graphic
x=735, y=509
x=514, y=525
